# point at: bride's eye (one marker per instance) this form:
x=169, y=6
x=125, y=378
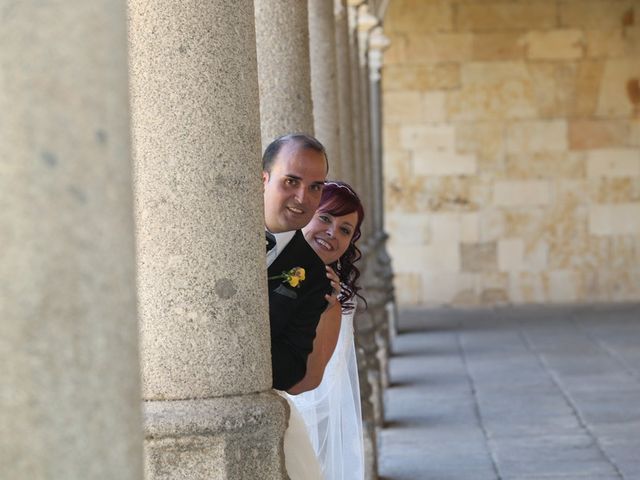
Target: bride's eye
x=324, y=218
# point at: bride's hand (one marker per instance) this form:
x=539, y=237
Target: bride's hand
x=335, y=286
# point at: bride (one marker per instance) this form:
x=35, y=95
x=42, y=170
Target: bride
x=328, y=397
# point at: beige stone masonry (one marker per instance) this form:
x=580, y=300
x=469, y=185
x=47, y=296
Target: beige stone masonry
x=615, y=219
x=614, y=99
x=414, y=228
x=434, y=162
x=523, y=150
x=612, y=43
x=444, y=286
x=439, y=47
x=439, y=137
x=545, y=165
x=595, y=133
x=495, y=90
x=506, y=16
x=562, y=285
x=498, y=46
x=536, y=136
x=601, y=14
x=513, y=193
x=555, y=45
x=404, y=106
x=510, y=254
x=441, y=76
x=419, y=15
x=435, y=106
x=613, y=163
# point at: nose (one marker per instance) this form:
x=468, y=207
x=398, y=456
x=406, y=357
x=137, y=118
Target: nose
x=301, y=195
x=330, y=231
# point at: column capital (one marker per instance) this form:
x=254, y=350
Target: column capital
x=378, y=43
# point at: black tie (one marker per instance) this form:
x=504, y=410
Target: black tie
x=271, y=240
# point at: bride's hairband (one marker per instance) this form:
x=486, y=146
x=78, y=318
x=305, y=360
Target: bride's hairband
x=342, y=185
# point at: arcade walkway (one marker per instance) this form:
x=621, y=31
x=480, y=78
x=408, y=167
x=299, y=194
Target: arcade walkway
x=544, y=393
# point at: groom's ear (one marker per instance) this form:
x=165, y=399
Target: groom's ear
x=265, y=177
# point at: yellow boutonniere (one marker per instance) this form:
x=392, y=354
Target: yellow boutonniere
x=293, y=277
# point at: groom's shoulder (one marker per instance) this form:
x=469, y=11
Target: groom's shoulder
x=304, y=249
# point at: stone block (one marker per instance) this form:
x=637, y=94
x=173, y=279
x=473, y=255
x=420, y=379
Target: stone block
x=601, y=14
x=562, y=286
x=407, y=228
x=485, y=140
x=469, y=227
x=407, y=258
x=536, y=136
x=586, y=134
x=525, y=287
x=391, y=137
x=479, y=257
x=615, y=219
x=546, y=165
x=439, y=47
x=615, y=96
x=435, y=106
x=506, y=16
x=612, y=42
x=440, y=76
x=613, y=163
x=442, y=287
x=440, y=137
x=442, y=256
x=519, y=193
x=493, y=90
x=586, y=88
x=397, y=160
x=491, y=224
x=445, y=227
x=493, y=287
x=510, y=254
x=613, y=190
x=503, y=46
x=432, y=162
x=555, y=44
x=403, y=107
x=634, y=132
x=418, y=16
x=395, y=54
x=408, y=288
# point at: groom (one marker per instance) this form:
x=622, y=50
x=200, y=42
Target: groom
x=294, y=169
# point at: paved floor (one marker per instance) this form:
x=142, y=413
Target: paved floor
x=514, y=394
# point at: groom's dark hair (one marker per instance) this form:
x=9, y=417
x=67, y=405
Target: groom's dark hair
x=302, y=140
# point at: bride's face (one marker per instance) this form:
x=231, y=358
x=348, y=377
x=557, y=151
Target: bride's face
x=330, y=236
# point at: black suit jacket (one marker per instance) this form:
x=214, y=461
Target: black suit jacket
x=294, y=312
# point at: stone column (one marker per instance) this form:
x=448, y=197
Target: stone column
x=202, y=274
x=356, y=108
x=378, y=42
x=284, y=72
x=344, y=92
x=324, y=81
x=70, y=395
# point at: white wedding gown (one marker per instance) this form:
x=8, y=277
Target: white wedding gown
x=332, y=415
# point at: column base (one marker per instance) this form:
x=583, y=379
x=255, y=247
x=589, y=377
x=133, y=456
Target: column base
x=224, y=438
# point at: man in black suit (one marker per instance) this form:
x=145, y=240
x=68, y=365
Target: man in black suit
x=294, y=169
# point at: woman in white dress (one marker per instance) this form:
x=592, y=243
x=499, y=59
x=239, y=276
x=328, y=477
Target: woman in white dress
x=328, y=397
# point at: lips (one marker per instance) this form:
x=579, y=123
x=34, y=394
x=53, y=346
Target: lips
x=323, y=243
x=295, y=210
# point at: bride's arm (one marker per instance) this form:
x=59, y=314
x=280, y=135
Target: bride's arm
x=323, y=346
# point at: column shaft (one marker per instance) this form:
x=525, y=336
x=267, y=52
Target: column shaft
x=324, y=81
x=282, y=36
x=69, y=402
x=202, y=274
x=345, y=112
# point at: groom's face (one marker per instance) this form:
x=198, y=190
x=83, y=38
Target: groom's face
x=293, y=188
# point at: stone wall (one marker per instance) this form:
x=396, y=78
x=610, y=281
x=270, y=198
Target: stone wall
x=512, y=150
